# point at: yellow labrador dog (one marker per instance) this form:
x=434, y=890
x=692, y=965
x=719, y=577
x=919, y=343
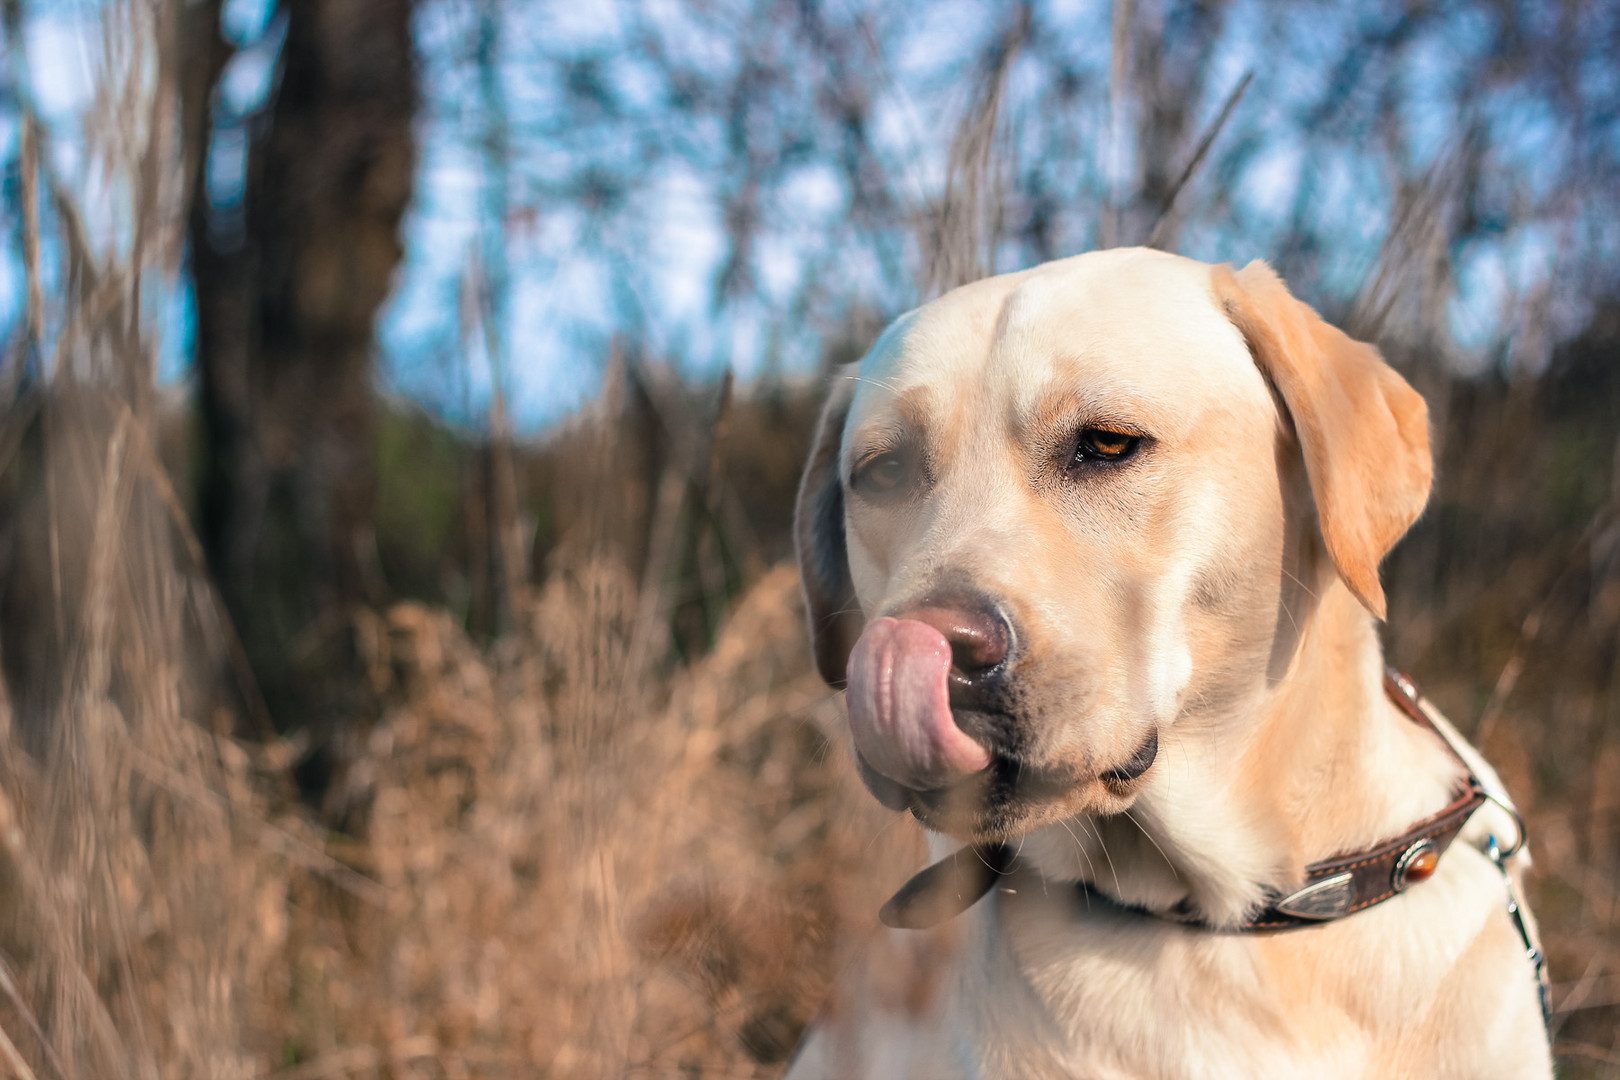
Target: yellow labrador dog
x=1094, y=548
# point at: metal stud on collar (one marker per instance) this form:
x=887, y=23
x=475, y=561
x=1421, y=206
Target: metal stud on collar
x=1326, y=899
x=1416, y=864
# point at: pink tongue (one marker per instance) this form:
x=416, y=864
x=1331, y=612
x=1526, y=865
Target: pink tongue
x=899, y=706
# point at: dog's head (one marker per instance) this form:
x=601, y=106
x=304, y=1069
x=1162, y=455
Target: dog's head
x=1053, y=515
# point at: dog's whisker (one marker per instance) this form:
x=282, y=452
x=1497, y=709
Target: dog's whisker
x=977, y=854
x=1150, y=839
x=891, y=823
x=1291, y=576
x=1091, y=868
x=882, y=382
x=1102, y=844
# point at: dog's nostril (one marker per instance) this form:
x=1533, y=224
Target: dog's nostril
x=975, y=647
x=979, y=640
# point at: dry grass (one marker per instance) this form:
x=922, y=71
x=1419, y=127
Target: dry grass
x=556, y=868
x=571, y=856
x=588, y=876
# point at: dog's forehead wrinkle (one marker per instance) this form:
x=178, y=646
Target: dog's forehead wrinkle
x=1129, y=336
x=948, y=335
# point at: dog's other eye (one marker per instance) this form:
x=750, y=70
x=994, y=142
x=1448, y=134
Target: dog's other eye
x=1101, y=444
x=881, y=475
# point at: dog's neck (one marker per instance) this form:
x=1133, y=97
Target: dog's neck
x=1319, y=763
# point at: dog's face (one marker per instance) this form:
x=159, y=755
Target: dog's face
x=1055, y=514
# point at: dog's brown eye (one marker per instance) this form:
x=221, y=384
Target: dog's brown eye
x=880, y=475
x=1101, y=444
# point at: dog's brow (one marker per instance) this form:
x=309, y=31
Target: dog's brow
x=914, y=406
x=902, y=418
x=1061, y=411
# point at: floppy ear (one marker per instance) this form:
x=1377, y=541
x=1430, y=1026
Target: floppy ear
x=1364, y=431
x=818, y=540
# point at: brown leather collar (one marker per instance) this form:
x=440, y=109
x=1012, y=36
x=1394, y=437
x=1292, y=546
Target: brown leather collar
x=1333, y=888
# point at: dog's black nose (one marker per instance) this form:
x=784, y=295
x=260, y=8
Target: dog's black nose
x=980, y=638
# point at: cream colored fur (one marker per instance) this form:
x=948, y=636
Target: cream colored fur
x=1220, y=594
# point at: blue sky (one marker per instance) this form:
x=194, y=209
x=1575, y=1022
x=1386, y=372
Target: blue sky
x=570, y=291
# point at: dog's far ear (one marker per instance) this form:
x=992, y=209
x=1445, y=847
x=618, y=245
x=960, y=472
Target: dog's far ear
x=1362, y=428
x=818, y=540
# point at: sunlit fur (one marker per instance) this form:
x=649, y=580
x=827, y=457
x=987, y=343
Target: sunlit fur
x=1215, y=588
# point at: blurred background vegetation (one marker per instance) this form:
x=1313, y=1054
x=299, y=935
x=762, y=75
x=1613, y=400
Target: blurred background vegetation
x=400, y=408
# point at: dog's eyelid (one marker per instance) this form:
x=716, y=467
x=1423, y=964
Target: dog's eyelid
x=871, y=454
x=882, y=472
x=1114, y=427
x=1110, y=434
x=867, y=458
x=872, y=442
x=1094, y=444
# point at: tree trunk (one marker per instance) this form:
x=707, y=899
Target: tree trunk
x=288, y=286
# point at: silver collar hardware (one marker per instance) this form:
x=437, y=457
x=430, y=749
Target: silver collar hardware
x=1516, y=909
x=1398, y=881
x=1326, y=899
x=1519, y=834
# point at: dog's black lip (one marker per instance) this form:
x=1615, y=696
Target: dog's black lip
x=993, y=800
x=1139, y=763
x=1000, y=793
x=890, y=793
x=997, y=730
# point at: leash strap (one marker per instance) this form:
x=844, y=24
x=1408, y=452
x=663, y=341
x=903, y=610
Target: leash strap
x=1517, y=910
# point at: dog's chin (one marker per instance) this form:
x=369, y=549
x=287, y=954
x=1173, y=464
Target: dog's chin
x=1014, y=796
x=1004, y=801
